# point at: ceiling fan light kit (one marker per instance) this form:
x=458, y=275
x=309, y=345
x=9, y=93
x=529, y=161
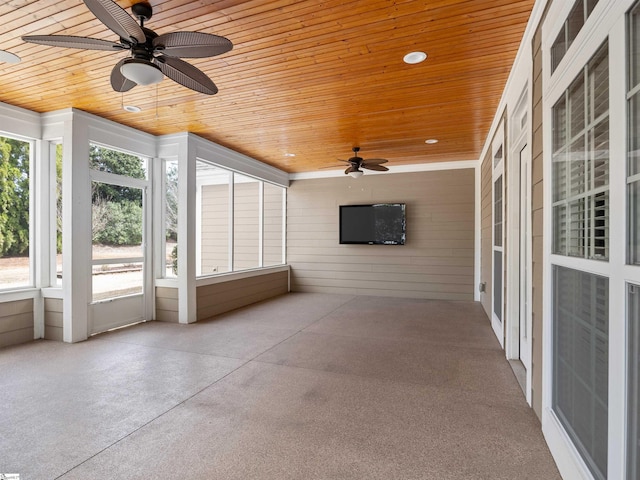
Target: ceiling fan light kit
x=153, y=56
x=140, y=71
x=9, y=57
x=356, y=163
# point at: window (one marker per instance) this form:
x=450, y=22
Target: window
x=213, y=221
x=246, y=222
x=580, y=362
x=569, y=31
x=170, y=218
x=15, y=201
x=111, y=161
x=273, y=208
x=117, y=252
x=633, y=400
x=240, y=221
x=497, y=213
x=57, y=154
x=633, y=158
x=581, y=164
x=117, y=205
x=498, y=225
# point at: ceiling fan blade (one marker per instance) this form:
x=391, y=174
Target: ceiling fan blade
x=350, y=169
x=191, y=44
x=378, y=168
x=69, y=41
x=119, y=82
x=116, y=19
x=376, y=161
x=186, y=74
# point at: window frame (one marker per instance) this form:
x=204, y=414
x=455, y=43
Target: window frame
x=607, y=22
x=34, y=214
x=231, y=224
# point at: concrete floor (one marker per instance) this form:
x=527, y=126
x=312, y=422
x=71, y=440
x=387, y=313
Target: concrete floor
x=304, y=386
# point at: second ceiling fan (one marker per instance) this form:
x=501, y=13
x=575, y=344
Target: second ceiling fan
x=356, y=163
x=152, y=55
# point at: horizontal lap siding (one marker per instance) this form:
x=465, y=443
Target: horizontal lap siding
x=436, y=262
x=16, y=322
x=215, y=229
x=222, y=297
x=167, y=304
x=53, y=319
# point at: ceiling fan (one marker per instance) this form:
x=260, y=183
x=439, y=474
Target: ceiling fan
x=152, y=55
x=356, y=163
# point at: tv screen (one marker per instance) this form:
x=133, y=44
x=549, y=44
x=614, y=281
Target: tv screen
x=378, y=224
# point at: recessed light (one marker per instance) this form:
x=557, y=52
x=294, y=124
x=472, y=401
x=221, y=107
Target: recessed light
x=8, y=57
x=415, y=57
x=132, y=108
x=289, y=154
x=431, y=141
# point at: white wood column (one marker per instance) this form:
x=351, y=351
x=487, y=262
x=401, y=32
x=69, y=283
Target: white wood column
x=76, y=227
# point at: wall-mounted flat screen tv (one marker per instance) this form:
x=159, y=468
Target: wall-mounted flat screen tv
x=377, y=224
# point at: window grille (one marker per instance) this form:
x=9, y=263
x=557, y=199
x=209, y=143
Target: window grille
x=497, y=213
x=569, y=31
x=581, y=164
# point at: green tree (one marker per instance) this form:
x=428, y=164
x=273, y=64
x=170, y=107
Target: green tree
x=119, y=163
x=14, y=197
x=117, y=210
x=171, y=199
x=59, y=198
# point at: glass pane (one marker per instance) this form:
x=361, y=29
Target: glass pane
x=58, y=157
x=599, y=82
x=559, y=124
x=634, y=47
x=577, y=228
x=497, y=158
x=575, y=21
x=601, y=226
x=273, y=225
x=633, y=412
x=591, y=4
x=581, y=363
x=246, y=222
x=113, y=280
x=497, y=213
x=558, y=49
x=212, y=225
x=600, y=152
x=14, y=213
x=634, y=223
x=560, y=230
x=171, y=218
x=559, y=176
x=497, y=284
x=578, y=168
x=576, y=100
x=634, y=135
x=112, y=161
x=117, y=222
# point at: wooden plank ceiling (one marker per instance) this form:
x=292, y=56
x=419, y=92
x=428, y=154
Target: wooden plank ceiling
x=306, y=77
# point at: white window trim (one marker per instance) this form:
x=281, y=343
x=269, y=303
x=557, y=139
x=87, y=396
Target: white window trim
x=497, y=172
x=607, y=20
